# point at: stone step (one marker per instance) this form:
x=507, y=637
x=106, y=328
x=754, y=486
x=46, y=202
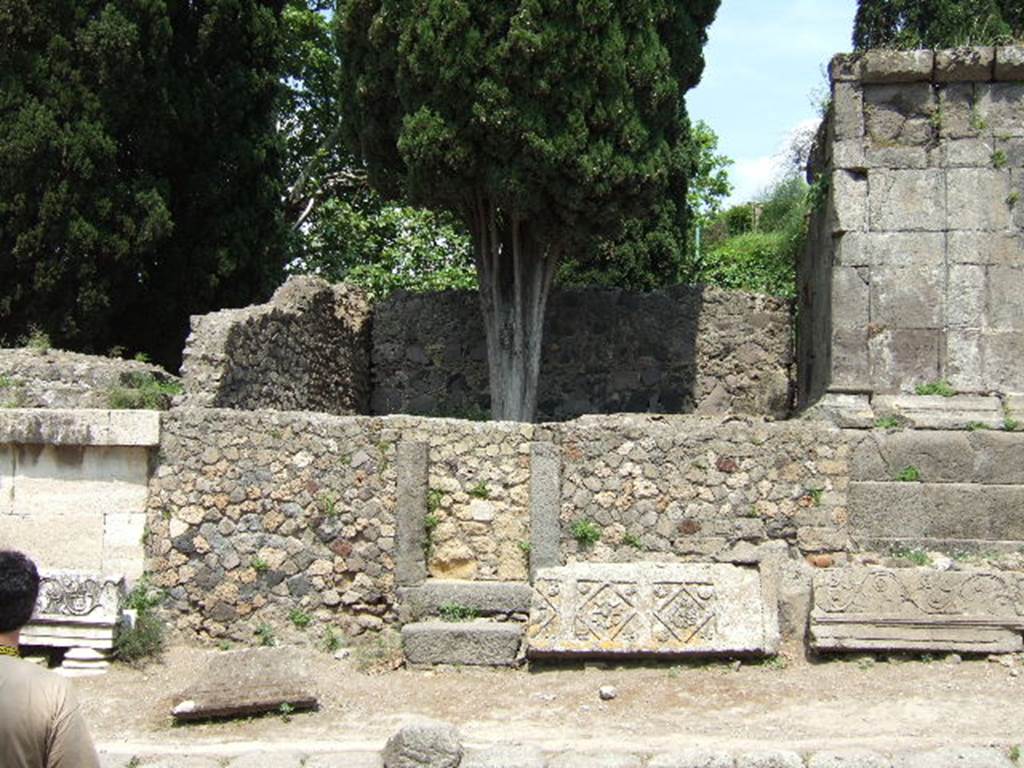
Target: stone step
x=937, y=412
x=480, y=642
x=483, y=598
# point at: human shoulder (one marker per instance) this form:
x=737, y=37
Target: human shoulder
x=24, y=674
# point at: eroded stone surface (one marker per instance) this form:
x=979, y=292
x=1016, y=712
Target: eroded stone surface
x=246, y=682
x=917, y=609
x=424, y=744
x=650, y=609
x=76, y=610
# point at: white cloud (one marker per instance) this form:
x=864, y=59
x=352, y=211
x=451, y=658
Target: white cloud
x=752, y=175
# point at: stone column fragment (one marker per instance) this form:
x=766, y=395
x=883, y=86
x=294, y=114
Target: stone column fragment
x=410, y=557
x=545, y=500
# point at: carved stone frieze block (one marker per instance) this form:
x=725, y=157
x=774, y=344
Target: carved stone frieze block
x=660, y=609
x=918, y=609
x=76, y=610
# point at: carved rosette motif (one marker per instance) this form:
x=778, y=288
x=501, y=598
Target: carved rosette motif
x=684, y=612
x=606, y=611
x=913, y=593
x=77, y=596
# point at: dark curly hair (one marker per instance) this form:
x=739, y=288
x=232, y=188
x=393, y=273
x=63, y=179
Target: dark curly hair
x=19, y=588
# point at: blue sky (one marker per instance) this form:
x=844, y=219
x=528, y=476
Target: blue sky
x=764, y=60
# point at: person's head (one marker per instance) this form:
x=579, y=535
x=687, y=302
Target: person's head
x=19, y=588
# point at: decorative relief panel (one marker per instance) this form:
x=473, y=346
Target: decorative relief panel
x=917, y=609
x=76, y=610
x=650, y=608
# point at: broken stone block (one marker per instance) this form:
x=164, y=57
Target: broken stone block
x=917, y=609
x=424, y=744
x=76, y=610
x=653, y=609
x=247, y=682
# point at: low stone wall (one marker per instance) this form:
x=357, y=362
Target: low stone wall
x=52, y=378
x=679, y=350
x=916, y=260
x=307, y=349
x=73, y=487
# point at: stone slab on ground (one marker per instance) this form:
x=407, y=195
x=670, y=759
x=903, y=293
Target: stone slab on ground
x=483, y=597
x=652, y=609
x=246, y=682
x=504, y=756
x=936, y=412
x=424, y=744
x=917, y=609
x=472, y=643
x=954, y=757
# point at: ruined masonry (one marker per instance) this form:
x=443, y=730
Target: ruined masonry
x=700, y=487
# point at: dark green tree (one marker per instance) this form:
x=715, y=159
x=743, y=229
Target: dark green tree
x=139, y=167
x=936, y=23
x=541, y=124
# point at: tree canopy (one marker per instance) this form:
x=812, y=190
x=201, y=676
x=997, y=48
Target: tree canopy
x=139, y=167
x=936, y=23
x=541, y=124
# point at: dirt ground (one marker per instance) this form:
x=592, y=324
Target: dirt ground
x=795, y=704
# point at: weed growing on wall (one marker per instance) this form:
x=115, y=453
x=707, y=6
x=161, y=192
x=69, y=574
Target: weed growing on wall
x=143, y=391
x=941, y=388
x=909, y=474
x=585, y=532
x=300, y=618
x=265, y=635
x=145, y=638
x=456, y=612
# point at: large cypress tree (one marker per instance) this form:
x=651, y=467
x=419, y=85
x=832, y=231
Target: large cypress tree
x=139, y=177
x=936, y=23
x=540, y=123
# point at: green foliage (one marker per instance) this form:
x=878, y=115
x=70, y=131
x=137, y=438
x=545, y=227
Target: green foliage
x=456, y=612
x=755, y=246
x=1010, y=424
x=632, y=540
x=815, y=495
x=975, y=426
x=258, y=564
x=147, y=637
x=265, y=635
x=330, y=640
x=936, y=23
x=941, y=388
x=889, y=422
x=1015, y=753
x=300, y=618
x=585, y=532
x=524, y=547
x=915, y=556
x=999, y=159
x=434, y=497
x=480, y=491
x=139, y=179
x=36, y=338
x=328, y=503
x=144, y=391
x=909, y=474
x=286, y=710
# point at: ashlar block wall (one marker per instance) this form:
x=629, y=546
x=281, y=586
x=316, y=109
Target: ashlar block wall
x=915, y=266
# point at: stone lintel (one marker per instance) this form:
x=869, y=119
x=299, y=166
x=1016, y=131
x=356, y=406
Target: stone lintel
x=411, y=513
x=1009, y=63
x=653, y=609
x=936, y=412
x=36, y=426
x=917, y=609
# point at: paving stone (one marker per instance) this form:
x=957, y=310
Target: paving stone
x=477, y=643
x=769, y=759
x=848, y=759
x=693, y=758
x=971, y=757
x=423, y=744
x=117, y=760
x=245, y=682
x=181, y=761
x=505, y=756
x=652, y=609
x=594, y=760
x=484, y=597
x=345, y=760
x=917, y=609
x=260, y=760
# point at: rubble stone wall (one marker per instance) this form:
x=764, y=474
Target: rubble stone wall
x=306, y=349
x=916, y=260
x=679, y=350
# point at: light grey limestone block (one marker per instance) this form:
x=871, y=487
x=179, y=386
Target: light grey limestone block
x=648, y=608
x=848, y=111
x=891, y=66
x=693, y=758
x=850, y=201
x=1009, y=63
x=954, y=757
x=847, y=411
x=850, y=758
x=902, y=358
x=907, y=200
x=996, y=248
x=411, y=512
x=999, y=105
x=424, y=744
x=545, y=506
x=845, y=67
x=918, y=609
x=770, y=759
x=261, y=759
x=908, y=297
x=939, y=456
x=344, y=760
x=936, y=412
x=37, y=426
x=977, y=198
x=472, y=643
x=850, y=297
x=974, y=63
x=504, y=756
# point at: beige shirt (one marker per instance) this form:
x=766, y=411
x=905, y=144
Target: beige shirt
x=41, y=725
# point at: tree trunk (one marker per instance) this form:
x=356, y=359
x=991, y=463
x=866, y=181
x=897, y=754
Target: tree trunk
x=514, y=274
